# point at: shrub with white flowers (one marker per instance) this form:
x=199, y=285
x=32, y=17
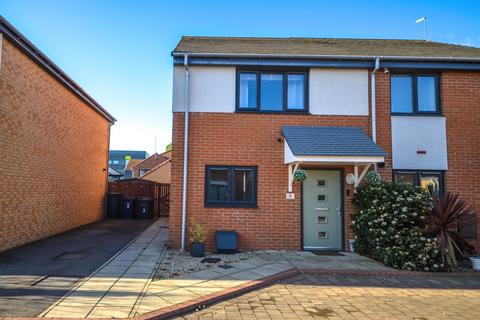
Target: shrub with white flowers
x=389, y=224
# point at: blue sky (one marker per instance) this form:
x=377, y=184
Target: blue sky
x=119, y=51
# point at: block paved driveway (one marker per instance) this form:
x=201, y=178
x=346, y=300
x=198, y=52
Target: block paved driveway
x=34, y=276
x=355, y=297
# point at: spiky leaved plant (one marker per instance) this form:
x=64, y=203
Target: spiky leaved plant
x=448, y=216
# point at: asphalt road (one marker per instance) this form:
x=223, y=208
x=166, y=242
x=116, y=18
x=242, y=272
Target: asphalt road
x=34, y=276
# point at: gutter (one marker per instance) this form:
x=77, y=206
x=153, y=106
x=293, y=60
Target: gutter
x=185, y=150
x=22, y=43
x=323, y=56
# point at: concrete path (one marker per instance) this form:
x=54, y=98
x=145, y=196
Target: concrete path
x=169, y=292
x=113, y=290
x=35, y=275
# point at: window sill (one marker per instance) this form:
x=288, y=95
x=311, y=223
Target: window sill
x=273, y=112
x=423, y=114
x=231, y=206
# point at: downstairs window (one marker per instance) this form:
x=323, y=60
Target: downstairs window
x=429, y=180
x=230, y=186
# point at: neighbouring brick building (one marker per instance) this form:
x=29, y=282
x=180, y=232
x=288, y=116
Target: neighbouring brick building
x=55, y=138
x=260, y=108
x=145, y=166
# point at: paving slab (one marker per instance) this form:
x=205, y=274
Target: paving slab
x=113, y=290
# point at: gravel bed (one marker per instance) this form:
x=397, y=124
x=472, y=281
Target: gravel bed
x=176, y=263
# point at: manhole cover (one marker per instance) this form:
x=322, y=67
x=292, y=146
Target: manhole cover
x=210, y=260
x=71, y=256
x=225, y=266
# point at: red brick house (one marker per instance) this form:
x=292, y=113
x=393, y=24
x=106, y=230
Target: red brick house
x=56, y=136
x=143, y=167
x=260, y=108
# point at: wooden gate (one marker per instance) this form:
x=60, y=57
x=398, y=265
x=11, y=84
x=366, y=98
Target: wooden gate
x=135, y=188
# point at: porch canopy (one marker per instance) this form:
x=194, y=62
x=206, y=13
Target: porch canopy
x=329, y=146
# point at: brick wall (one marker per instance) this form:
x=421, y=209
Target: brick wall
x=245, y=139
x=54, y=152
x=461, y=106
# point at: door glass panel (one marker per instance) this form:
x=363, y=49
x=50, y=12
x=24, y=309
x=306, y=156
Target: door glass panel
x=322, y=197
x=322, y=220
x=322, y=183
x=322, y=235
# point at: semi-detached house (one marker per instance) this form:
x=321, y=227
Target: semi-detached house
x=261, y=108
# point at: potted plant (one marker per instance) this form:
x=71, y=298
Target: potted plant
x=197, y=239
x=475, y=260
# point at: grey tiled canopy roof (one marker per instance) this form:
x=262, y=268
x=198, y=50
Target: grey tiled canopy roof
x=330, y=141
x=324, y=46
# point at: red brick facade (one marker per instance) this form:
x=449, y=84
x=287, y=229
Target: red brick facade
x=255, y=139
x=55, y=152
x=245, y=139
x=461, y=107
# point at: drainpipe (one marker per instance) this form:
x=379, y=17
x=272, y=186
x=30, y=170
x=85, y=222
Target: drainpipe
x=185, y=151
x=374, y=103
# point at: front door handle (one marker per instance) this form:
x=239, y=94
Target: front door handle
x=339, y=211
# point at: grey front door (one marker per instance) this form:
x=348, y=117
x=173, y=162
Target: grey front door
x=322, y=210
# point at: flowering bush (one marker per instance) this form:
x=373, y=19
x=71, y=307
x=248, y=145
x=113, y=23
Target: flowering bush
x=389, y=226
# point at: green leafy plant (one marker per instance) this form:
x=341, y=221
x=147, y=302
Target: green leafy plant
x=197, y=232
x=299, y=175
x=389, y=226
x=447, y=217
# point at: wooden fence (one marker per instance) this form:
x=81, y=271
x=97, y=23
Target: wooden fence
x=134, y=188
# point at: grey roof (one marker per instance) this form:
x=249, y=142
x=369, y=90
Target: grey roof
x=330, y=141
x=231, y=46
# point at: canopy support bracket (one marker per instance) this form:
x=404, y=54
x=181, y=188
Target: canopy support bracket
x=358, y=179
x=292, y=168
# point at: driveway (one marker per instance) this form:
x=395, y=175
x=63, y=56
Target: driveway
x=355, y=297
x=34, y=276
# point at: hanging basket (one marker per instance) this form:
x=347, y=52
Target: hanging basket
x=299, y=175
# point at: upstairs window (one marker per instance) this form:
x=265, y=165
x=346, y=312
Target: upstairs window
x=228, y=186
x=271, y=91
x=414, y=94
